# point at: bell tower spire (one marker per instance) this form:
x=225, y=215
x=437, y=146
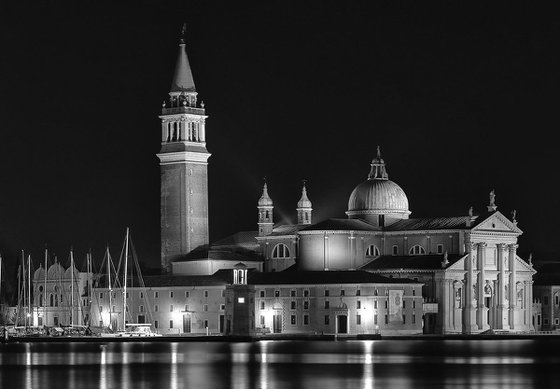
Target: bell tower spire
x=304, y=207
x=266, y=210
x=184, y=166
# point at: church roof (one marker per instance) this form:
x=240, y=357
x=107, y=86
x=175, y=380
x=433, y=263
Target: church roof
x=241, y=238
x=287, y=229
x=409, y=262
x=182, y=78
x=322, y=277
x=236, y=254
x=341, y=224
x=433, y=223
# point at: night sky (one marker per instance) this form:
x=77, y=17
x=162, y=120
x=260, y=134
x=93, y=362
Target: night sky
x=461, y=99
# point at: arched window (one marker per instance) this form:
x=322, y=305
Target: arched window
x=281, y=251
x=372, y=251
x=417, y=250
x=52, y=301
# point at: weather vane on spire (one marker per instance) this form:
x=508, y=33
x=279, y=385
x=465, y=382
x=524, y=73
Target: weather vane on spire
x=378, y=151
x=183, y=32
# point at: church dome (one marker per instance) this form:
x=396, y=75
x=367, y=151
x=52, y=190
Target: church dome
x=378, y=195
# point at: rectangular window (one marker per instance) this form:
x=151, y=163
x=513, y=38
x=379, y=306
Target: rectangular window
x=358, y=304
x=171, y=295
x=556, y=299
x=413, y=318
x=241, y=300
x=292, y=293
x=205, y=307
x=293, y=319
x=306, y=293
x=375, y=319
x=171, y=308
x=156, y=308
x=440, y=249
x=262, y=293
x=395, y=250
x=386, y=304
x=375, y=304
x=342, y=292
x=358, y=292
x=306, y=320
x=545, y=322
x=101, y=296
x=413, y=304
x=327, y=319
x=205, y=294
x=404, y=304
x=141, y=295
x=414, y=291
x=262, y=320
x=156, y=295
x=156, y=324
x=326, y=292
x=358, y=320
x=187, y=294
x=327, y=304
x=376, y=292
x=205, y=323
x=141, y=308
x=276, y=293
x=262, y=305
x=186, y=307
x=386, y=319
x=126, y=294
x=404, y=319
x=306, y=304
x=170, y=323
x=293, y=305
x=222, y=307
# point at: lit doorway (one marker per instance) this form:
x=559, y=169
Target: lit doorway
x=187, y=323
x=342, y=324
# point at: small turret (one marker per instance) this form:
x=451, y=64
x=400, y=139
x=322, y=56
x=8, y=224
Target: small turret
x=266, y=209
x=304, y=207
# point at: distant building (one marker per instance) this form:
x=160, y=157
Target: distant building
x=547, y=293
x=60, y=297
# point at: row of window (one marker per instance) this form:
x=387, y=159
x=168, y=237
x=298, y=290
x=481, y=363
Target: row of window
x=171, y=308
x=327, y=319
x=556, y=300
x=327, y=293
x=156, y=294
x=293, y=304
x=171, y=324
x=282, y=251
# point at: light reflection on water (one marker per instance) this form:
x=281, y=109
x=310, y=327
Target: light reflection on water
x=279, y=364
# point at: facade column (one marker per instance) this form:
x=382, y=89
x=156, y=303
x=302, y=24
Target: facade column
x=163, y=131
x=513, y=308
x=469, y=317
x=529, y=306
x=480, y=311
x=502, y=321
x=202, y=131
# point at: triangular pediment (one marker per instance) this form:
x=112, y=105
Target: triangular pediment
x=521, y=265
x=496, y=222
x=459, y=264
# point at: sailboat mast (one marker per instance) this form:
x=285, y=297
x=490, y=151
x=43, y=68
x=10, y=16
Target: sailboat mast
x=45, y=289
x=110, y=288
x=125, y=270
x=24, y=287
x=71, y=287
x=29, y=287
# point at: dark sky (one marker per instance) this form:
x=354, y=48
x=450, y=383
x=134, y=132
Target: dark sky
x=462, y=99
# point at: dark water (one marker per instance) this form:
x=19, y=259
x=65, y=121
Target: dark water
x=284, y=364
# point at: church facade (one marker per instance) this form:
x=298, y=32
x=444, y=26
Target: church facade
x=375, y=271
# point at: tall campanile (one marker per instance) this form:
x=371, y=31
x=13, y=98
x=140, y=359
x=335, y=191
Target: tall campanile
x=183, y=165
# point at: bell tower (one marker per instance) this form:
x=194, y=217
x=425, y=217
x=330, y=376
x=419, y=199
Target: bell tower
x=183, y=166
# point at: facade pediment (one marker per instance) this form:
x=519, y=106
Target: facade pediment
x=496, y=222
